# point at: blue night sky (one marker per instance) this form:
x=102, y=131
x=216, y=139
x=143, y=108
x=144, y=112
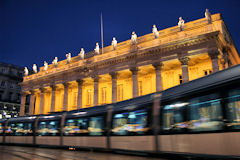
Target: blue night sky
x=32, y=31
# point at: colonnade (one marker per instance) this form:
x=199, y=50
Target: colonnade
x=184, y=61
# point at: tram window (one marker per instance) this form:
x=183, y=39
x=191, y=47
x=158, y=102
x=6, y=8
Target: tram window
x=205, y=114
x=19, y=129
x=48, y=128
x=173, y=117
x=74, y=127
x=233, y=109
x=130, y=123
x=96, y=126
x=1, y=129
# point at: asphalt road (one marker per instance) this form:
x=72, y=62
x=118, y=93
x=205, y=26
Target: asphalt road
x=32, y=153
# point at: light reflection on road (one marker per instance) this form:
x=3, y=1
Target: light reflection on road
x=32, y=153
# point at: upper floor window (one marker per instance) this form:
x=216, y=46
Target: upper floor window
x=3, y=83
x=140, y=88
x=89, y=97
x=207, y=72
x=104, y=95
x=11, y=85
x=180, y=79
x=120, y=92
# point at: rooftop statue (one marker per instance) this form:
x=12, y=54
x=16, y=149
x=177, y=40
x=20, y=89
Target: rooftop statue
x=208, y=16
x=114, y=43
x=134, y=38
x=97, y=49
x=34, y=68
x=82, y=53
x=181, y=23
x=45, y=66
x=25, y=71
x=68, y=56
x=155, y=31
x=55, y=62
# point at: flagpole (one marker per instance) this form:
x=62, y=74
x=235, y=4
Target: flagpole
x=102, y=31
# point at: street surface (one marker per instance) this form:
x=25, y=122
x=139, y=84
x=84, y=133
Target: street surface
x=32, y=153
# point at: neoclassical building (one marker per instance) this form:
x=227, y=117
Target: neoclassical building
x=146, y=64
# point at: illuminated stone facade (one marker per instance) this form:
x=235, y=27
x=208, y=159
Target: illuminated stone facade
x=131, y=70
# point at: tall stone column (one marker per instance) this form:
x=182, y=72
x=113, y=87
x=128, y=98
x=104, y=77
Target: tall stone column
x=41, y=108
x=79, y=98
x=158, y=68
x=54, y=88
x=23, y=101
x=32, y=102
x=135, y=81
x=114, y=86
x=65, y=96
x=184, y=62
x=95, y=98
x=214, y=59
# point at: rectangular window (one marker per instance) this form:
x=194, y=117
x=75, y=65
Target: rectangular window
x=120, y=92
x=140, y=88
x=19, y=129
x=11, y=85
x=76, y=127
x=173, y=117
x=205, y=113
x=1, y=129
x=180, y=79
x=130, y=123
x=233, y=109
x=96, y=126
x=48, y=128
x=104, y=95
x=75, y=99
x=3, y=83
x=89, y=97
x=207, y=72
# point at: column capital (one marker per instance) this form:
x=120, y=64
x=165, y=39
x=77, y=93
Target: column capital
x=213, y=54
x=42, y=89
x=66, y=84
x=157, y=65
x=184, y=60
x=134, y=70
x=53, y=87
x=23, y=93
x=79, y=81
x=32, y=92
x=113, y=75
x=95, y=78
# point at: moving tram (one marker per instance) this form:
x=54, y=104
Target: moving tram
x=199, y=118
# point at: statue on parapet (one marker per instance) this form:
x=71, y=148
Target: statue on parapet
x=181, y=23
x=208, y=16
x=55, y=62
x=34, y=68
x=82, y=53
x=155, y=31
x=97, y=49
x=45, y=66
x=134, y=38
x=68, y=56
x=25, y=71
x=114, y=43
